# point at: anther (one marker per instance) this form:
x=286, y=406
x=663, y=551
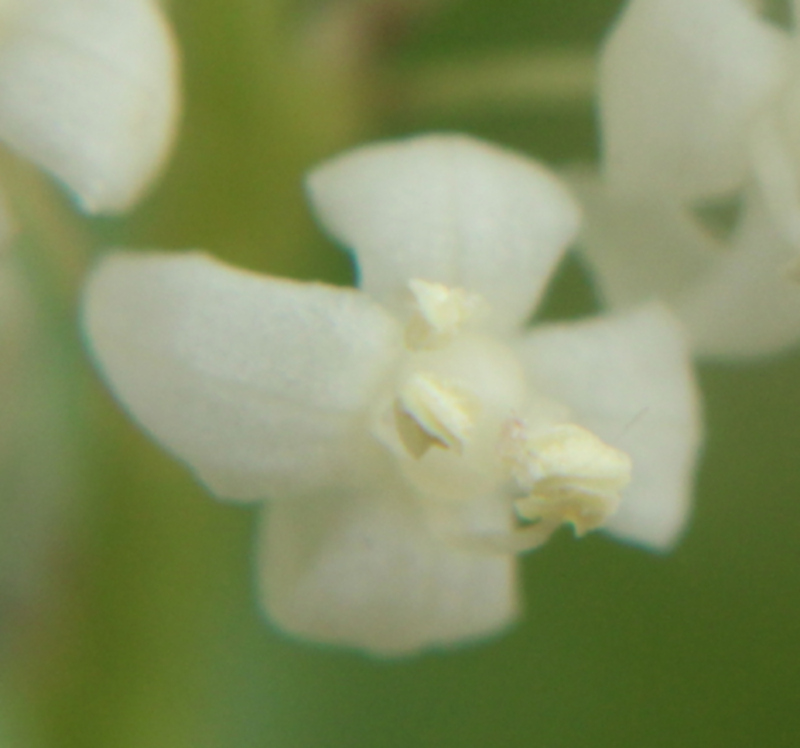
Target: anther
x=567, y=473
x=430, y=411
x=439, y=313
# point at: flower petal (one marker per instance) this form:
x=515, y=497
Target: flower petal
x=747, y=306
x=257, y=383
x=375, y=573
x=88, y=91
x=640, y=248
x=628, y=378
x=680, y=84
x=734, y=299
x=449, y=209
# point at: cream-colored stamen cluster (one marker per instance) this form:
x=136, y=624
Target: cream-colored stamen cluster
x=462, y=391
x=431, y=410
x=568, y=475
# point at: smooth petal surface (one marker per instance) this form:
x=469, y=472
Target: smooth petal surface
x=748, y=305
x=450, y=209
x=639, y=249
x=259, y=384
x=372, y=571
x=88, y=91
x=628, y=378
x=734, y=299
x=681, y=82
x=775, y=158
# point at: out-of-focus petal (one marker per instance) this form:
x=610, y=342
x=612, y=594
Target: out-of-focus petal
x=450, y=209
x=747, y=306
x=735, y=299
x=681, y=82
x=88, y=91
x=376, y=573
x=641, y=248
x=775, y=152
x=259, y=384
x=628, y=378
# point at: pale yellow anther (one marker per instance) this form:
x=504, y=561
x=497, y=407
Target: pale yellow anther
x=569, y=474
x=439, y=313
x=430, y=411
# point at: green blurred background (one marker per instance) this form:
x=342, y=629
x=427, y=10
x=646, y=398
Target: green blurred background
x=155, y=638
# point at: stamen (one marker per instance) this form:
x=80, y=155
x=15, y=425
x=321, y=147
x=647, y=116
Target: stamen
x=430, y=411
x=568, y=474
x=440, y=312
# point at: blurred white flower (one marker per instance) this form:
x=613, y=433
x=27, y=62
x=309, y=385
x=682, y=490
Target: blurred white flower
x=88, y=91
x=413, y=434
x=700, y=105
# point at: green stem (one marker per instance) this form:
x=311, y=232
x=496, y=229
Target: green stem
x=529, y=80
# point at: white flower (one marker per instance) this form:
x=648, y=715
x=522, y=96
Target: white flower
x=700, y=103
x=88, y=91
x=412, y=434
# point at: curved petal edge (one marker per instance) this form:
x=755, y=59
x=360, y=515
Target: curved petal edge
x=259, y=384
x=448, y=209
x=89, y=91
x=629, y=379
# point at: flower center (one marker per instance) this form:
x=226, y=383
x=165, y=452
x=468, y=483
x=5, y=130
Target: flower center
x=464, y=424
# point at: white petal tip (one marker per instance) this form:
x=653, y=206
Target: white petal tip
x=449, y=209
x=89, y=92
x=371, y=575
